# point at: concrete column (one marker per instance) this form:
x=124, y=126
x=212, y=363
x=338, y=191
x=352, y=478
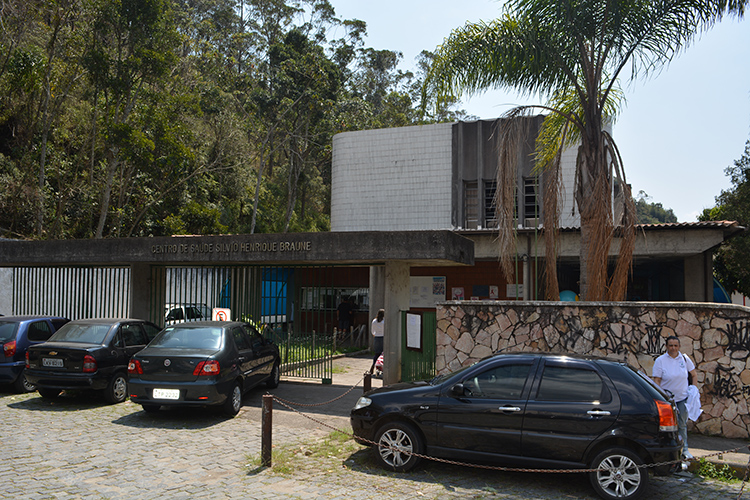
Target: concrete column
x=140, y=292
x=695, y=278
x=377, y=296
x=396, y=300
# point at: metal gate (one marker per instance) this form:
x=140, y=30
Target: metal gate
x=418, y=363
x=295, y=306
x=72, y=292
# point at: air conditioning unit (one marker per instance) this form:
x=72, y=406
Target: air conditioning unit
x=531, y=222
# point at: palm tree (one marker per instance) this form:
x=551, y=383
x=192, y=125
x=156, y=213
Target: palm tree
x=573, y=52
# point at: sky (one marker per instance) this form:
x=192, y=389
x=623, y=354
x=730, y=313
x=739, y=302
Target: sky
x=679, y=129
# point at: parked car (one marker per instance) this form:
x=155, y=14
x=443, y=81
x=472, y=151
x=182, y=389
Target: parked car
x=530, y=410
x=17, y=333
x=206, y=363
x=88, y=354
x=177, y=313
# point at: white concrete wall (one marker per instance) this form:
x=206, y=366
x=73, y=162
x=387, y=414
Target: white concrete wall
x=568, y=216
x=396, y=179
x=6, y=291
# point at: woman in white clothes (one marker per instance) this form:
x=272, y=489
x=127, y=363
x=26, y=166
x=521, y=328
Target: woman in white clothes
x=378, y=329
x=672, y=371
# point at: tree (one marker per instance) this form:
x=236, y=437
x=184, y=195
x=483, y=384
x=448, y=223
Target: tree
x=732, y=260
x=648, y=212
x=574, y=53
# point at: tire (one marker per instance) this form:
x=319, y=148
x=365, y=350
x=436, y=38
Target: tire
x=22, y=385
x=273, y=380
x=151, y=408
x=622, y=477
x=117, y=389
x=234, y=401
x=48, y=393
x=396, y=443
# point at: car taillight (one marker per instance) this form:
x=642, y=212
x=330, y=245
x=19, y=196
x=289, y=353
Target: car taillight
x=207, y=368
x=134, y=367
x=27, y=359
x=667, y=417
x=9, y=348
x=89, y=364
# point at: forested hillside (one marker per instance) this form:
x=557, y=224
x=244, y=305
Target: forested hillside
x=127, y=118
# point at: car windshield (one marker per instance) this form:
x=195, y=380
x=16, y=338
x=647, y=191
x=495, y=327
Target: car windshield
x=84, y=334
x=442, y=378
x=189, y=338
x=8, y=330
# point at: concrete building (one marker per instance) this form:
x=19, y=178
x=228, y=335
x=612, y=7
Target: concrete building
x=443, y=176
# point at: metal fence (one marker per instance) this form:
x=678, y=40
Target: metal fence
x=72, y=292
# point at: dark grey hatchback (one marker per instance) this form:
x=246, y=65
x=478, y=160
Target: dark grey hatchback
x=203, y=363
x=533, y=410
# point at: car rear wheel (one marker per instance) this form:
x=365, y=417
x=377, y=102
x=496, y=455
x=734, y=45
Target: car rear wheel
x=273, y=380
x=234, y=401
x=396, y=444
x=117, y=390
x=23, y=385
x=620, y=476
x=47, y=393
x=151, y=408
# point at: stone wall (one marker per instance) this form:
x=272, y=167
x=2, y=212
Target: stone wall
x=715, y=336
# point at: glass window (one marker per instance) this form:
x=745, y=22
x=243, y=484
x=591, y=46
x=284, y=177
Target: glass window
x=502, y=382
x=39, y=331
x=151, y=330
x=571, y=384
x=179, y=336
x=85, y=334
x=240, y=339
x=490, y=215
x=8, y=330
x=531, y=198
x=471, y=205
x=132, y=335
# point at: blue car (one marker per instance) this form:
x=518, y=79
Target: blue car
x=17, y=333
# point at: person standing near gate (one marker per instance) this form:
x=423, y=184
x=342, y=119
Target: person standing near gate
x=674, y=372
x=378, y=329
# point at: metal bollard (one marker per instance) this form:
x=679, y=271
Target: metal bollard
x=266, y=424
x=367, y=384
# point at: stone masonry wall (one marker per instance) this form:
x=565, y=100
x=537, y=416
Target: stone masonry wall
x=716, y=337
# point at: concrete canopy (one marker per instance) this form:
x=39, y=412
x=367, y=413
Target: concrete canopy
x=418, y=248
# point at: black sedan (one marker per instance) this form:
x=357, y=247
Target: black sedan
x=528, y=410
x=205, y=363
x=88, y=354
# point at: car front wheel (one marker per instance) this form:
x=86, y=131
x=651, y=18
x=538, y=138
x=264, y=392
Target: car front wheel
x=117, y=390
x=234, y=401
x=397, y=442
x=620, y=474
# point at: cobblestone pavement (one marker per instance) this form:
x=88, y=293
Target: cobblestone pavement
x=80, y=448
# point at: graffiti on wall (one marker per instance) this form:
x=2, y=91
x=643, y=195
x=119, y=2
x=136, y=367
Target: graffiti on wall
x=738, y=334
x=727, y=386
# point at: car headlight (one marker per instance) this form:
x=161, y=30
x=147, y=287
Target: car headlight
x=362, y=402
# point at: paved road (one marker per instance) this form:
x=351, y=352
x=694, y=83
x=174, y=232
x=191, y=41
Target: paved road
x=80, y=448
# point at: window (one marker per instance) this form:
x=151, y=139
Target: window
x=571, y=384
x=471, y=205
x=531, y=198
x=490, y=217
x=240, y=338
x=502, y=382
x=39, y=331
x=132, y=335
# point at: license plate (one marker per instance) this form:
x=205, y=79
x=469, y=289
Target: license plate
x=166, y=394
x=52, y=362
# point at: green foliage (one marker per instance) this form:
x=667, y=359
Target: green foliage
x=648, y=212
x=710, y=470
x=732, y=259
x=158, y=117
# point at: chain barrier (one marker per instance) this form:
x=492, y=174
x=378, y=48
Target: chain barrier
x=290, y=405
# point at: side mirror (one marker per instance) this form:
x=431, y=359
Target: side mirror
x=457, y=391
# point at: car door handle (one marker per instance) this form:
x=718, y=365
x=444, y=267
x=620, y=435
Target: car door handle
x=598, y=413
x=509, y=408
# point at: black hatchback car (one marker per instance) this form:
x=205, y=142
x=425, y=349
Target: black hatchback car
x=203, y=363
x=88, y=354
x=528, y=410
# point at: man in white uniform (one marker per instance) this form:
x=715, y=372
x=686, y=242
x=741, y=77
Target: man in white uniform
x=671, y=372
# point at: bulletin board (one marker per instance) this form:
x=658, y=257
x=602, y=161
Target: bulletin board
x=426, y=291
